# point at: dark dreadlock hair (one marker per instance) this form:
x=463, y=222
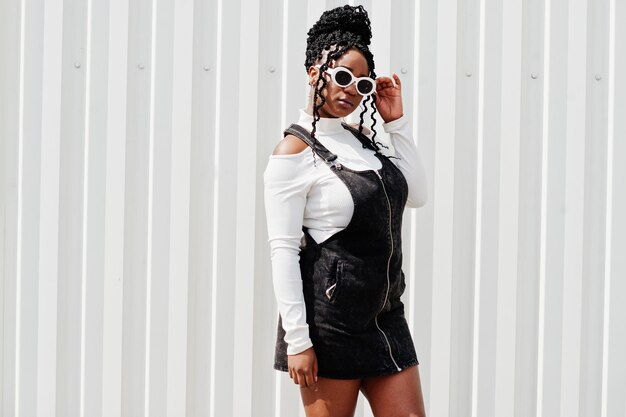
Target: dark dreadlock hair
x=337, y=31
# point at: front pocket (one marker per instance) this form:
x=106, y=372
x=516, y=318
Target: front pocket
x=333, y=284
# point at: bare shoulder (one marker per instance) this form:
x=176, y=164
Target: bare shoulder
x=290, y=145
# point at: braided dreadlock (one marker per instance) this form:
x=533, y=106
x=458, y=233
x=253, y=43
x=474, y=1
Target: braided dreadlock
x=337, y=31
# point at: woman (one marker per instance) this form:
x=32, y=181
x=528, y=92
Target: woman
x=334, y=200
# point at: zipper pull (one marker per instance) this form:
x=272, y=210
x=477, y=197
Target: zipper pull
x=331, y=290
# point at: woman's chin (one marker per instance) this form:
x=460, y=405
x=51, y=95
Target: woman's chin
x=339, y=111
x=344, y=111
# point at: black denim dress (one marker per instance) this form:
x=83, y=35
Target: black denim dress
x=352, y=282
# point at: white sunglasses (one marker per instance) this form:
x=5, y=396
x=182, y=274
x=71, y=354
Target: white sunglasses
x=343, y=77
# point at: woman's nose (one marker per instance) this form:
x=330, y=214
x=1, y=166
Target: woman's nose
x=351, y=89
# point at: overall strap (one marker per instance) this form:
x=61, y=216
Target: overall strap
x=360, y=136
x=318, y=148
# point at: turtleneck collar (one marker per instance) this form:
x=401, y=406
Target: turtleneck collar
x=324, y=126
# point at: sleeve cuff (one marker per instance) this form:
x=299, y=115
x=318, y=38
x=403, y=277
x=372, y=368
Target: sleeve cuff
x=294, y=350
x=396, y=124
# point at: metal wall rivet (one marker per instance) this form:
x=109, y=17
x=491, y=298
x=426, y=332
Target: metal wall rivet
x=76, y=64
x=598, y=77
x=140, y=66
x=533, y=76
x=468, y=74
x=272, y=69
x=403, y=70
x=207, y=68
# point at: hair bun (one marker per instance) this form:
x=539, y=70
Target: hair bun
x=346, y=18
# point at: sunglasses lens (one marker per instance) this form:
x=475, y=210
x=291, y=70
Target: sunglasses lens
x=364, y=87
x=343, y=78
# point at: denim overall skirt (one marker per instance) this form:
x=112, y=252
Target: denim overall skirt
x=352, y=282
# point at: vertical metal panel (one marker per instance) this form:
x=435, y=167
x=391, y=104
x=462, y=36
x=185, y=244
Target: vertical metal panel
x=464, y=208
x=381, y=19
x=574, y=203
x=530, y=195
x=49, y=200
x=224, y=255
x=246, y=238
x=95, y=184
x=138, y=152
x=180, y=142
x=113, y=286
x=443, y=201
x=594, y=222
x=554, y=269
x=71, y=210
x=11, y=47
x=30, y=207
x=508, y=217
x=488, y=210
x=160, y=202
x=201, y=208
x=615, y=386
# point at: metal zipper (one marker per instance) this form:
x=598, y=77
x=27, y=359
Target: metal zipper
x=388, y=263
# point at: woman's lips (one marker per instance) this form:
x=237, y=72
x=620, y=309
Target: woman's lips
x=345, y=103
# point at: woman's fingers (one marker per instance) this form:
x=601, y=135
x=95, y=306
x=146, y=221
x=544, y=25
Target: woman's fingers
x=383, y=82
x=311, y=375
x=303, y=368
x=310, y=382
x=386, y=82
x=388, y=88
x=395, y=77
x=306, y=378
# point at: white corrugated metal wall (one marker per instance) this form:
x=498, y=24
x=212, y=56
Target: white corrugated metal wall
x=134, y=263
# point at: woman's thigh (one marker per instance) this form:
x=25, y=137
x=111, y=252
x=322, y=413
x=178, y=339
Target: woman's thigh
x=396, y=395
x=333, y=398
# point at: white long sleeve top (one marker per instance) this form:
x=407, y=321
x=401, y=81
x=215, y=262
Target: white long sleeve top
x=300, y=193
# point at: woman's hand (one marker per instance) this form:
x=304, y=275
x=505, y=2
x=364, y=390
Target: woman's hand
x=388, y=98
x=303, y=368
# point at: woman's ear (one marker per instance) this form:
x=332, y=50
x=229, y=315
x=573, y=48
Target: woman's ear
x=313, y=73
